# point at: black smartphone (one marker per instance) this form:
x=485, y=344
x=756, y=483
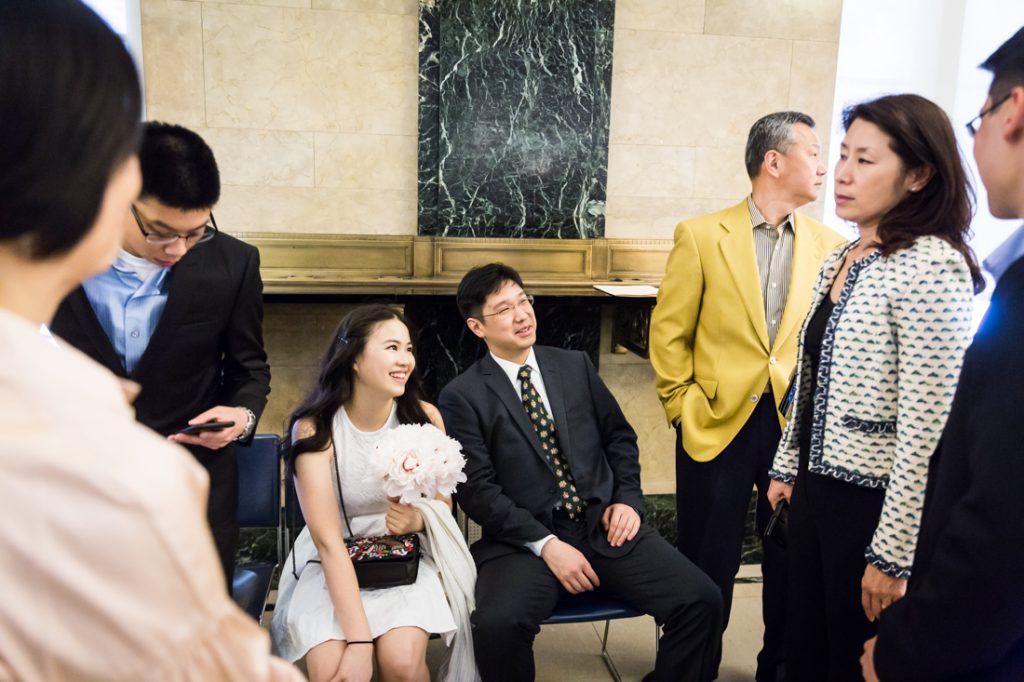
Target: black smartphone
x=777, y=528
x=194, y=429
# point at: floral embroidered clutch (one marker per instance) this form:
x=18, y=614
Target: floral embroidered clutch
x=385, y=560
x=382, y=547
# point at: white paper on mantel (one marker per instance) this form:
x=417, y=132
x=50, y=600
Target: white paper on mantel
x=628, y=290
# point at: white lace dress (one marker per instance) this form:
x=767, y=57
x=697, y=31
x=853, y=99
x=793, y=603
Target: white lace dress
x=304, y=615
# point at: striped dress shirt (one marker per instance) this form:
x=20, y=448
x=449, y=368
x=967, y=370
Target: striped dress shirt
x=773, y=246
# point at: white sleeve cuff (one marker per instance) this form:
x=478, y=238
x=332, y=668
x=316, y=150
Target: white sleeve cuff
x=538, y=545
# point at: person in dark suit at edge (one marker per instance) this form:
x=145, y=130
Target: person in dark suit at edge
x=963, y=615
x=180, y=313
x=553, y=479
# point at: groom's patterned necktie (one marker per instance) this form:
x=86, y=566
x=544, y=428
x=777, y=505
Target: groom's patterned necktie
x=545, y=428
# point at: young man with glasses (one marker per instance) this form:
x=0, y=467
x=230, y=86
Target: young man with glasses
x=961, y=618
x=180, y=313
x=553, y=479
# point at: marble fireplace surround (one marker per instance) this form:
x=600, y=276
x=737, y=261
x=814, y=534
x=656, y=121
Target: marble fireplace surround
x=401, y=265
x=311, y=280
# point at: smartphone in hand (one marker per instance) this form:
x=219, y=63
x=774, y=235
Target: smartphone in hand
x=777, y=528
x=196, y=429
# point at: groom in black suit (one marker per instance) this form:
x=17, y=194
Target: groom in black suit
x=180, y=313
x=554, y=482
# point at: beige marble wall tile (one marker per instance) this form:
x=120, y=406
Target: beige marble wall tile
x=262, y=158
x=677, y=16
x=688, y=90
x=799, y=19
x=366, y=161
x=650, y=171
x=296, y=336
x=288, y=386
x=720, y=172
x=291, y=334
x=816, y=209
x=813, y=82
x=633, y=387
x=654, y=217
x=172, y=45
x=328, y=317
x=643, y=89
x=292, y=69
x=382, y=6
x=328, y=210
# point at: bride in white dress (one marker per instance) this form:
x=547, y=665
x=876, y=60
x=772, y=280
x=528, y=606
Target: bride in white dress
x=366, y=386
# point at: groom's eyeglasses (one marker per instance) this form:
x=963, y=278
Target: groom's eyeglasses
x=505, y=312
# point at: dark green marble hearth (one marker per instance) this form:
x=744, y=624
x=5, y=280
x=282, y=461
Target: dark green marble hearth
x=513, y=117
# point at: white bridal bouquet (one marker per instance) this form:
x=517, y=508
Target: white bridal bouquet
x=418, y=460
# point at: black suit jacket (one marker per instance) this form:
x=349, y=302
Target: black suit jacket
x=510, y=489
x=207, y=348
x=963, y=616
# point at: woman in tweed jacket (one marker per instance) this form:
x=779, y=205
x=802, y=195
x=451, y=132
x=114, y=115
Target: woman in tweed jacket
x=879, y=358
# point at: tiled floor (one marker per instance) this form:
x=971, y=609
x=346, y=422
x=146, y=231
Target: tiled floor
x=573, y=652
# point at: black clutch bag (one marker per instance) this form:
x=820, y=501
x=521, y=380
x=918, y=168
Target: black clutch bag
x=381, y=560
x=385, y=560
x=777, y=530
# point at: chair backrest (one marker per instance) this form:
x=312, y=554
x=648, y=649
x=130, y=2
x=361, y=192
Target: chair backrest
x=293, y=519
x=471, y=532
x=259, y=483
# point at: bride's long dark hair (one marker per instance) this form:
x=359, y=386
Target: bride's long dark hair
x=334, y=385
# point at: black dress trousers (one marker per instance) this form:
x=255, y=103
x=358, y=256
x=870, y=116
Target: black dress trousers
x=712, y=499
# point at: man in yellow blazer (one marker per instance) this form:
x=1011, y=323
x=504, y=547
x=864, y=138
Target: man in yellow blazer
x=723, y=345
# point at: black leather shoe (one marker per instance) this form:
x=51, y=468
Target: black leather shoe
x=649, y=677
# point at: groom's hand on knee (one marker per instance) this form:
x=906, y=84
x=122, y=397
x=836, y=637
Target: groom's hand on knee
x=622, y=523
x=570, y=566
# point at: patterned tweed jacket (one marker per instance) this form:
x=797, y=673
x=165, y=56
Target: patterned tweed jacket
x=890, y=361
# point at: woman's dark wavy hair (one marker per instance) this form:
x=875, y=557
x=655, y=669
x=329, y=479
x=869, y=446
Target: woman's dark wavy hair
x=70, y=111
x=921, y=135
x=334, y=385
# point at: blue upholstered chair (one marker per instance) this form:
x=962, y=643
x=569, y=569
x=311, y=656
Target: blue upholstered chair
x=259, y=506
x=577, y=608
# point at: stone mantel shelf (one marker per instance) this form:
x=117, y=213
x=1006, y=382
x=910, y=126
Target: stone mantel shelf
x=294, y=263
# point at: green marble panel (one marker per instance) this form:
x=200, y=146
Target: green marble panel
x=514, y=114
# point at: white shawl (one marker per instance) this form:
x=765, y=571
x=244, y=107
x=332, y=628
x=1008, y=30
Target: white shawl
x=447, y=548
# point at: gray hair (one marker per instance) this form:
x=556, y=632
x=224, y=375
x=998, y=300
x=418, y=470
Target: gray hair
x=774, y=131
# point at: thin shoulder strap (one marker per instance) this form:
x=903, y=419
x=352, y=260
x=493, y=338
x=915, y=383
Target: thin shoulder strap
x=341, y=498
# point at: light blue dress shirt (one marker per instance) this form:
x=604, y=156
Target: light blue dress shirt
x=1004, y=255
x=128, y=307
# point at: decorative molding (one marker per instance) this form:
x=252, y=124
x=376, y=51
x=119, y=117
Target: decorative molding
x=386, y=264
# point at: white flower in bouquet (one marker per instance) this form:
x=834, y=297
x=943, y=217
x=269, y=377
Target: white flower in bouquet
x=418, y=460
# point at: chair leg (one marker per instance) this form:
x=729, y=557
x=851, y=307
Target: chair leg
x=607, y=657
